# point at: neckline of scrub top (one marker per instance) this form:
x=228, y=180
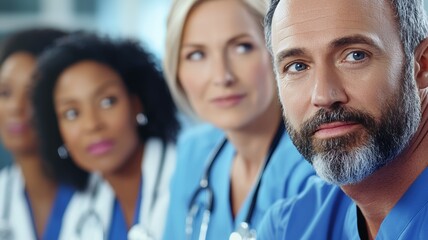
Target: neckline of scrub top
x=53, y=225
x=401, y=214
x=229, y=153
x=118, y=227
x=245, y=206
x=406, y=209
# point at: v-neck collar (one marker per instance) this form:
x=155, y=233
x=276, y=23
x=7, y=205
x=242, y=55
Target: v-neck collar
x=402, y=214
x=406, y=209
x=228, y=155
x=118, y=227
x=53, y=225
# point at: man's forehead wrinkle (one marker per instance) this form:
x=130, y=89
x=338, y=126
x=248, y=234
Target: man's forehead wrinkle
x=284, y=28
x=308, y=13
x=281, y=39
x=285, y=33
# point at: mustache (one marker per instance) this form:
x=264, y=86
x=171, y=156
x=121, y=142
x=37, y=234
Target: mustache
x=336, y=114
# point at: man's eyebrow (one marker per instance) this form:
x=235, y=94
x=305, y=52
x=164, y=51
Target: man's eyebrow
x=337, y=43
x=354, y=39
x=288, y=53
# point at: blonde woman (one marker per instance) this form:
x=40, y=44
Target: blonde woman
x=231, y=170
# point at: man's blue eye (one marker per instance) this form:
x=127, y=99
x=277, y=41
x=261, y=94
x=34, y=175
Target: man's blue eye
x=356, y=56
x=300, y=66
x=296, y=67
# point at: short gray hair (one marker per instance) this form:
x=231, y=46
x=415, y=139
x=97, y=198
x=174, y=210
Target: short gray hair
x=410, y=16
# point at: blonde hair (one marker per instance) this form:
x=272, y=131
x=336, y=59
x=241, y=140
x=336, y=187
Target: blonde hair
x=175, y=25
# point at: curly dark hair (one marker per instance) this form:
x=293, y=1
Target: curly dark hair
x=32, y=41
x=141, y=77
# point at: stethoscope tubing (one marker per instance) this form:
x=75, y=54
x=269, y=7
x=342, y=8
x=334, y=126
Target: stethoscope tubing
x=274, y=144
x=6, y=230
x=8, y=194
x=204, y=185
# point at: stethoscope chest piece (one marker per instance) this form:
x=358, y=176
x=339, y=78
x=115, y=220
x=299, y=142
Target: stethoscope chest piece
x=90, y=226
x=138, y=232
x=5, y=231
x=244, y=232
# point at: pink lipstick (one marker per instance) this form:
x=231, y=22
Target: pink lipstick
x=100, y=148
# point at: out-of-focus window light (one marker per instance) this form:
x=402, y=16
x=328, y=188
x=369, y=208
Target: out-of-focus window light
x=65, y=14
x=19, y=6
x=139, y=19
x=85, y=7
x=153, y=24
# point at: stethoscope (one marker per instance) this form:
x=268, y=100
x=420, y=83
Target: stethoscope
x=6, y=232
x=91, y=218
x=244, y=230
x=138, y=231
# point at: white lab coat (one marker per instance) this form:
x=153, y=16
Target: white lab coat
x=153, y=220
x=19, y=218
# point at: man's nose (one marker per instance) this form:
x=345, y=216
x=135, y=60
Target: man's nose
x=328, y=89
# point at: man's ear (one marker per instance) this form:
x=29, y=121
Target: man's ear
x=421, y=64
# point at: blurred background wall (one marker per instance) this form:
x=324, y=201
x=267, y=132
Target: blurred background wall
x=144, y=20
x=141, y=19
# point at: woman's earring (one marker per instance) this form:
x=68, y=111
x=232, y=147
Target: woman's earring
x=62, y=152
x=141, y=119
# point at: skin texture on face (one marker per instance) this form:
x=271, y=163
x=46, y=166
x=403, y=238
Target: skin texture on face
x=342, y=85
x=224, y=67
x=96, y=117
x=16, y=130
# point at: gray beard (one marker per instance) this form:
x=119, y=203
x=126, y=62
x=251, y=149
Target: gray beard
x=347, y=168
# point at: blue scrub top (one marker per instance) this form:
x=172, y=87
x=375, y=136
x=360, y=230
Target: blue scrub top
x=53, y=226
x=5, y=158
x=285, y=175
x=324, y=212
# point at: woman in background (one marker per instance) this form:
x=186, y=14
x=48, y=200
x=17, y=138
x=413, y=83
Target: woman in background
x=104, y=106
x=219, y=70
x=32, y=202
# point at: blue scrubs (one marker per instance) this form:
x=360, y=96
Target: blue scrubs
x=53, y=226
x=118, y=227
x=285, y=175
x=324, y=212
